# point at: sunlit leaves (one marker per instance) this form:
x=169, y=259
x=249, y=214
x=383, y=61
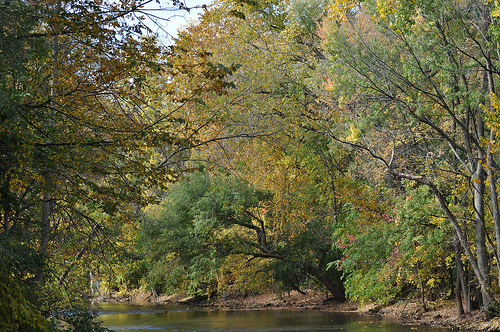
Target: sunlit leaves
x=342, y=9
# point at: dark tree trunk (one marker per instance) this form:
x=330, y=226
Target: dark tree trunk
x=337, y=293
x=459, y=285
x=44, y=235
x=458, y=296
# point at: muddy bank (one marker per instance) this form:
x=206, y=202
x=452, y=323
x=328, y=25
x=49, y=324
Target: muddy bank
x=408, y=312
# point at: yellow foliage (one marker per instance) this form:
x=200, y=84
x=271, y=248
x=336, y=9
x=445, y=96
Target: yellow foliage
x=431, y=282
x=493, y=121
x=386, y=7
x=495, y=101
x=450, y=260
x=338, y=9
x=355, y=134
x=495, y=12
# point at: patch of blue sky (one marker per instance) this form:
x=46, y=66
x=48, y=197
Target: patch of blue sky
x=165, y=19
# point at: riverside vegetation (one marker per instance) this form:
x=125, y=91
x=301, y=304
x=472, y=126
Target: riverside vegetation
x=348, y=147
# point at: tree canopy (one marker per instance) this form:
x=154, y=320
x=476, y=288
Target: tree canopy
x=347, y=146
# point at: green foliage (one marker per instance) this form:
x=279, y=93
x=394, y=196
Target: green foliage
x=493, y=309
x=409, y=83
x=188, y=234
x=79, y=319
x=405, y=249
x=19, y=306
x=288, y=274
x=307, y=14
x=206, y=223
x=97, y=119
x=81, y=132
x=272, y=12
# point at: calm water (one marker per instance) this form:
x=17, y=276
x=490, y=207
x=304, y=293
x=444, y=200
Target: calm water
x=123, y=317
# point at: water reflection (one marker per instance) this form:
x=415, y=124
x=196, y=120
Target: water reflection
x=131, y=318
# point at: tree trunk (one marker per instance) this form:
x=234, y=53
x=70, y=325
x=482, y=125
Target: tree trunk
x=480, y=239
x=495, y=209
x=44, y=234
x=478, y=180
x=458, y=296
x=46, y=198
x=459, y=284
x=337, y=293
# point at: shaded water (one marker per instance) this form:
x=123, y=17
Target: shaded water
x=134, y=318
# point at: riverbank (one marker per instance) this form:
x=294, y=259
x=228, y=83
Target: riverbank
x=407, y=312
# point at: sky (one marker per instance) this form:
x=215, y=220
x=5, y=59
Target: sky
x=166, y=19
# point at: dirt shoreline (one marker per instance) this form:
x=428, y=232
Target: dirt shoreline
x=406, y=312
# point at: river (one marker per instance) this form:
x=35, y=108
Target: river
x=136, y=318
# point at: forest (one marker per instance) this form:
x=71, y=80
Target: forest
x=274, y=145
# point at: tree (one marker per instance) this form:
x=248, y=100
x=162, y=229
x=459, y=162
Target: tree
x=206, y=219
x=195, y=229
x=404, y=251
x=418, y=79
x=84, y=122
